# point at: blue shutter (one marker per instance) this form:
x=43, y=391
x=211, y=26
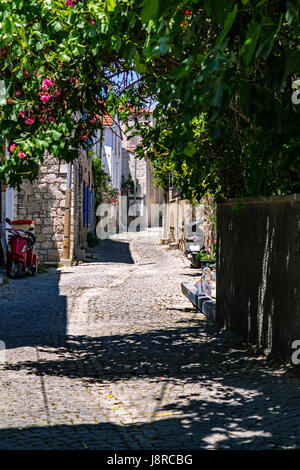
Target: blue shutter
x=83, y=205
x=93, y=210
x=88, y=207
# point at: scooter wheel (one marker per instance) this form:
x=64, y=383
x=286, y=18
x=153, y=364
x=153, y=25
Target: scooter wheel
x=35, y=269
x=16, y=270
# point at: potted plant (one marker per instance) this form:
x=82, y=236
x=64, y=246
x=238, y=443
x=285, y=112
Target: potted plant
x=202, y=258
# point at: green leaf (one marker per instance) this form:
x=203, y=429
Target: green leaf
x=228, y=24
x=291, y=12
x=111, y=5
x=190, y=149
x=266, y=44
x=164, y=45
x=56, y=135
x=129, y=50
x=40, y=144
x=249, y=45
x=150, y=10
x=207, y=7
x=39, y=45
x=57, y=26
x=292, y=63
x=217, y=98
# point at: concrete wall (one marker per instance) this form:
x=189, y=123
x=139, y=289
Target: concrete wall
x=132, y=166
x=258, y=271
x=111, y=153
x=179, y=215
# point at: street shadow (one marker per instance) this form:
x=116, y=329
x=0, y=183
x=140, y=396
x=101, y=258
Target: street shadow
x=192, y=274
x=163, y=434
x=236, y=408
x=33, y=312
x=111, y=251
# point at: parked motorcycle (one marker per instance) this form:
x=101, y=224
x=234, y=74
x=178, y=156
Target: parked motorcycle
x=21, y=257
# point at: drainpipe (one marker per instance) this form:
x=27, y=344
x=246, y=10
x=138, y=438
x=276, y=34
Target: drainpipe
x=67, y=217
x=134, y=185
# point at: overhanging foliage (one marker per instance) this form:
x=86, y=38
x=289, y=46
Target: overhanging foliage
x=220, y=72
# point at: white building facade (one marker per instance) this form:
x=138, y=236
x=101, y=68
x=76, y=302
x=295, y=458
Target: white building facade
x=108, y=146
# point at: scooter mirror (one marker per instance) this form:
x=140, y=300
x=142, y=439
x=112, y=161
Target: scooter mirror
x=7, y=221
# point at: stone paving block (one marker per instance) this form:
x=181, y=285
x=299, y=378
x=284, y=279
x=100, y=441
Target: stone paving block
x=89, y=365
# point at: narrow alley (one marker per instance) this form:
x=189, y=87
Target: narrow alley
x=111, y=355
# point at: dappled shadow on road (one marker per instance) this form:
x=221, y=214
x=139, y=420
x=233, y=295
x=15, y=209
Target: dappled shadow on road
x=164, y=434
x=148, y=354
x=241, y=403
x=111, y=251
x=33, y=312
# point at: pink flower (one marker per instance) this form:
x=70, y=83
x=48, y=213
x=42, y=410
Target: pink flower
x=22, y=155
x=21, y=114
x=18, y=93
x=84, y=137
x=45, y=98
x=52, y=119
x=46, y=83
x=93, y=22
x=12, y=148
x=69, y=3
x=29, y=121
x=56, y=93
x=92, y=121
x=26, y=73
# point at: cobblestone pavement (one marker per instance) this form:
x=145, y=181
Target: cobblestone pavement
x=111, y=355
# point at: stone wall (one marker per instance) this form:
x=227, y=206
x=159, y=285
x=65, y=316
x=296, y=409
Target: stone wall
x=44, y=202
x=258, y=271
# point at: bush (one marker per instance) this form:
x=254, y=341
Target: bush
x=92, y=241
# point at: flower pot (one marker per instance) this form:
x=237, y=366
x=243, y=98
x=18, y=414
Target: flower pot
x=204, y=262
x=194, y=262
x=201, y=263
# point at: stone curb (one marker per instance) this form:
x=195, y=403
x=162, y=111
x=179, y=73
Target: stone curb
x=201, y=301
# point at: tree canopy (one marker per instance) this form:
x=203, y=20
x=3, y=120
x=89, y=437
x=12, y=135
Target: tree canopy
x=219, y=71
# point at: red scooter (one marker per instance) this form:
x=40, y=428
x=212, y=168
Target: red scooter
x=21, y=257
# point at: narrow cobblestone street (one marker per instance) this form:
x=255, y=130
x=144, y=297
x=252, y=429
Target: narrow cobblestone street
x=110, y=355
